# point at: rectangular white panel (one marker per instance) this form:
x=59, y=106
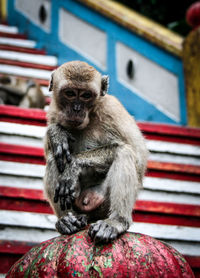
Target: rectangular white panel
x=34, y=10
x=150, y=81
x=84, y=38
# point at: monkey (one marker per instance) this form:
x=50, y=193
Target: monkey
x=95, y=154
x=21, y=92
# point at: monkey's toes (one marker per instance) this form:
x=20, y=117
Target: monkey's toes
x=102, y=232
x=70, y=224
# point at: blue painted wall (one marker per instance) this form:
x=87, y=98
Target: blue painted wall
x=136, y=105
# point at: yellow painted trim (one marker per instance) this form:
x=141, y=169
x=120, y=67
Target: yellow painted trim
x=191, y=63
x=139, y=24
x=3, y=9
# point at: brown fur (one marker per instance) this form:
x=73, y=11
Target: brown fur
x=108, y=156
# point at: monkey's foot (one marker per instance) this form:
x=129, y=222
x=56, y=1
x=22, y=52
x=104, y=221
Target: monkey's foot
x=102, y=232
x=70, y=224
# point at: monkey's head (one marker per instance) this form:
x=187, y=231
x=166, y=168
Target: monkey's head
x=76, y=88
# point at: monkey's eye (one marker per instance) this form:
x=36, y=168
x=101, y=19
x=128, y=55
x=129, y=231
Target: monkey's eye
x=86, y=95
x=70, y=93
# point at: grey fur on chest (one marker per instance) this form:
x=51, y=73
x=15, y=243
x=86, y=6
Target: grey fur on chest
x=86, y=141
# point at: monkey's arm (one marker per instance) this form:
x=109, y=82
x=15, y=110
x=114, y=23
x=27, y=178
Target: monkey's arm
x=59, y=141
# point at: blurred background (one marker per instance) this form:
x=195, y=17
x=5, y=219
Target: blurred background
x=170, y=13
x=151, y=52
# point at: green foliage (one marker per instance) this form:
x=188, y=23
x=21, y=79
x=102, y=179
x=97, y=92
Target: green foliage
x=170, y=13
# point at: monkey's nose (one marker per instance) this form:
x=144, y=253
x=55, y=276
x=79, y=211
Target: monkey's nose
x=76, y=107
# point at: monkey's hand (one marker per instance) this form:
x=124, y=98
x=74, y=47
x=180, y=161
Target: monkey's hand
x=71, y=223
x=65, y=193
x=60, y=140
x=68, y=187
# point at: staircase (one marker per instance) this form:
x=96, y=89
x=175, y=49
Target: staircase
x=168, y=208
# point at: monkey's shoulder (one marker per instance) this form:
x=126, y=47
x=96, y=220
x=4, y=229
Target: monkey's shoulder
x=112, y=106
x=118, y=120
x=110, y=110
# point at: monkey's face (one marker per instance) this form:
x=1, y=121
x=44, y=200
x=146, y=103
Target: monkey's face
x=75, y=106
x=76, y=87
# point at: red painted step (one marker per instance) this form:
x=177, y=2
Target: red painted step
x=35, y=155
x=151, y=130
x=26, y=65
x=23, y=49
x=11, y=35
x=36, y=196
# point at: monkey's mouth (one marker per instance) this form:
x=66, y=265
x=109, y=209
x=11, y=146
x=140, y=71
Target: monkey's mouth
x=75, y=122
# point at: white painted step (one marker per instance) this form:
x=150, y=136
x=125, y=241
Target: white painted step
x=171, y=147
x=25, y=72
x=169, y=232
x=180, y=194
x=170, y=185
x=22, y=169
x=28, y=135
x=8, y=29
x=17, y=42
x=153, y=145
x=168, y=197
x=26, y=234
x=47, y=221
x=34, y=182
x=23, y=130
x=30, y=58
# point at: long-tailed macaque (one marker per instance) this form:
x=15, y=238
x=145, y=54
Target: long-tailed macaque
x=96, y=155
x=20, y=92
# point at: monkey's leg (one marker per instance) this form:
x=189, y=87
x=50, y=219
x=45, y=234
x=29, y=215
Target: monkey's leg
x=122, y=180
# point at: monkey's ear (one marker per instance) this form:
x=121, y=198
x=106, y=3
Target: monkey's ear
x=104, y=84
x=51, y=82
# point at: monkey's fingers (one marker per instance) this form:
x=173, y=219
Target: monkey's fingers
x=94, y=229
x=57, y=191
x=72, y=194
x=68, y=202
x=62, y=195
x=66, y=152
x=62, y=203
x=59, y=157
x=82, y=219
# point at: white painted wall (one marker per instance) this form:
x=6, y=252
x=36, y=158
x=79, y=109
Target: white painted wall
x=30, y=9
x=150, y=81
x=84, y=38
